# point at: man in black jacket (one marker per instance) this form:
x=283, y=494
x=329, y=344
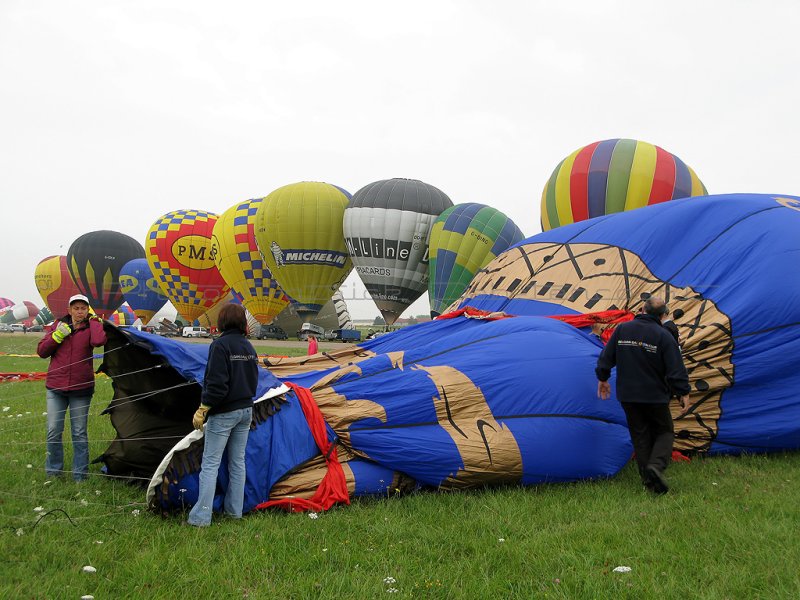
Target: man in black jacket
x=649, y=371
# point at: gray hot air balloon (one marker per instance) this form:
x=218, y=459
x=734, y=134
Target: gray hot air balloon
x=386, y=226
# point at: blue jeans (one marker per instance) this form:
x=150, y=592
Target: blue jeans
x=229, y=430
x=57, y=405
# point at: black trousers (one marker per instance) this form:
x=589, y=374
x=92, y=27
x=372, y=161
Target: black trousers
x=652, y=433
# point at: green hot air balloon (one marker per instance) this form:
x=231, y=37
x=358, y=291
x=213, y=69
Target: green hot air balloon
x=386, y=226
x=298, y=229
x=464, y=239
x=95, y=260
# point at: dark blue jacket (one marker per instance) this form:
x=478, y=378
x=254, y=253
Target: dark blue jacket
x=231, y=373
x=649, y=364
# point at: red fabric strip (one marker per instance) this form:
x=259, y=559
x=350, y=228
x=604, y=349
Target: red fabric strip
x=333, y=487
x=579, y=183
x=663, y=177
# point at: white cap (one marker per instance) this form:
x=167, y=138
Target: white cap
x=77, y=298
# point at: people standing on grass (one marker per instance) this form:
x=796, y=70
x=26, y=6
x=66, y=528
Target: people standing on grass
x=229, y=385
x=649, y=371
x=70, y=384
x=312, y=344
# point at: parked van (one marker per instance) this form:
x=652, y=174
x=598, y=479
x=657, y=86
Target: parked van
x=18, y=328
x=195, y=332
x=271, y=332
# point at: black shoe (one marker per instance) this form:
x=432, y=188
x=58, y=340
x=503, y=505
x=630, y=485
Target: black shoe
x=655, y=481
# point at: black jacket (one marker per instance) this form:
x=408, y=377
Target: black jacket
x=231, y=374
x=649, y=364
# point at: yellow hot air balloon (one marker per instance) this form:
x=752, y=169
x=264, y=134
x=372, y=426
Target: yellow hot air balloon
x=241, y=265
x=299, y=233
x=180, y=254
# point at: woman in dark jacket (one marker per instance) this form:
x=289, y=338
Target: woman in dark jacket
x=229, y=386
x=70, y=384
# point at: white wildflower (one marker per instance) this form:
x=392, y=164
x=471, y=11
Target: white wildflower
x=389, y=580
x=19, y=415
x=84, y=502
x=20, y=532
x=27, y=412
x=501, y=540
x=324, y=549
x=44, y=414
x=135, y=512
x=29, y=466
x=392, y=591
x=714, y=483
x=89, y=569
x=39, y=509
x=98, y=541
x=622, y=569
x=97, y=492
x=87, y=597
x=313, y=515
x=6, y=408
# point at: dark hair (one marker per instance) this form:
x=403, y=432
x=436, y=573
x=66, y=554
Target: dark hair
x=655, y=306
x=232, y=317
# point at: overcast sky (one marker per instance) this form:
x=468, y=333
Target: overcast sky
x=113, y=113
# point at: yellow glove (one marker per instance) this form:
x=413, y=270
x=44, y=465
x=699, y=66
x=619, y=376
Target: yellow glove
x=95, y=317
x=62, y=331
x=200, y=416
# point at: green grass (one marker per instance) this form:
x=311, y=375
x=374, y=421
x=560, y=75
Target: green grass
x=727, y=529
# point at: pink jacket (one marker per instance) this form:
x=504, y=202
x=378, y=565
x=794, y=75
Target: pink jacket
x=312, y=346
x=71, y=366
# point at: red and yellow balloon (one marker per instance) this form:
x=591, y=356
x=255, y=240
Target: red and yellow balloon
x=55, y=284
x=181, y=255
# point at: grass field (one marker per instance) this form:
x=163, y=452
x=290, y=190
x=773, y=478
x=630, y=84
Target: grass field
x=727, y=529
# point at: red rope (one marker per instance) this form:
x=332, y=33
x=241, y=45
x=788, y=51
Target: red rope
x=333, y=487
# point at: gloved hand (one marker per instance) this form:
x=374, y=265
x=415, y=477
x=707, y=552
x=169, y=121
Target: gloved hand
x=94, y=317
x=200, y=416
x=62, y=331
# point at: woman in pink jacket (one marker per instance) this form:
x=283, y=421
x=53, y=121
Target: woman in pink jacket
x=70, y=384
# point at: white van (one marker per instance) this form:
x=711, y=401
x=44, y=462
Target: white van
x=195, y=332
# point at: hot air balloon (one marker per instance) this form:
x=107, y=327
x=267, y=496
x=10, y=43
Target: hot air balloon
x=19, y=312
x=141, y=290
x=241, y=264
x=44, y=317
x=180, y=254
x=124, y=315
x=386, y=226
x=464, y=239
x=614, y=176
x=5, y=303
x=95, y=260
x=299, y=233
x=55, y=284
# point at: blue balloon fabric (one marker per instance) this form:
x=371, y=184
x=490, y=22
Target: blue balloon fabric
x=462, y=402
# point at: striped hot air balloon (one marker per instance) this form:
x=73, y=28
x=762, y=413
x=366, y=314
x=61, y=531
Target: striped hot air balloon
x=464, y=239
x=387, y=225
x=614, y=176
